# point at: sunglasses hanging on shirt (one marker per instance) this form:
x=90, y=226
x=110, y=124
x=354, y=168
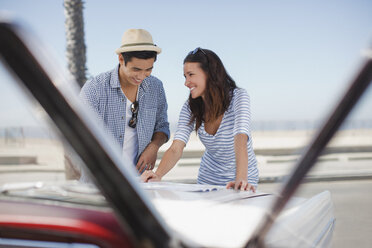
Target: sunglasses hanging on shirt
x=134, y=109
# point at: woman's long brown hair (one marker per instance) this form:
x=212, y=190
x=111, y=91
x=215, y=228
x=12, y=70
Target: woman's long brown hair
x=219, y=88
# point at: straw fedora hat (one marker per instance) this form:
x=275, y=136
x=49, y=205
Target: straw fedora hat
x=137, y=40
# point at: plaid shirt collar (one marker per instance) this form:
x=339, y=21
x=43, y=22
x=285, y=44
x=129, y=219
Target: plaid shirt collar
x=115, y=82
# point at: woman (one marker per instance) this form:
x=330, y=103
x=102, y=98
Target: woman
x=219, y=112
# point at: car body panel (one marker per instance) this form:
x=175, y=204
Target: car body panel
x=47, y=221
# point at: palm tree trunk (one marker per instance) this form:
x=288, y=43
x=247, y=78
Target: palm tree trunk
x=75, y=53
x=75, y=48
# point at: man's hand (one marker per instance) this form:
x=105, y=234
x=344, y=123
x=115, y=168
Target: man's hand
x=148, y=158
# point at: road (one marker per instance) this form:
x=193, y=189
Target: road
x=352, y=203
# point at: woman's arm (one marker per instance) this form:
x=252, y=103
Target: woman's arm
x=174, y=152
x=241, y=157
x=169, y=160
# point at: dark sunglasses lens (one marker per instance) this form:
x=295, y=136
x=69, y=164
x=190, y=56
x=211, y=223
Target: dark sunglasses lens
x=133, y=122
x=134, y=107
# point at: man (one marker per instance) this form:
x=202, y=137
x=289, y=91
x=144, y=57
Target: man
x=130, y=102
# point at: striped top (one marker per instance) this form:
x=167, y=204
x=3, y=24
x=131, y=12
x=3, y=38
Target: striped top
x=218, y=164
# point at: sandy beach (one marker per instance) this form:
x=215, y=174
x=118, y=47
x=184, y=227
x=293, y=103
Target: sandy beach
x=276, y=152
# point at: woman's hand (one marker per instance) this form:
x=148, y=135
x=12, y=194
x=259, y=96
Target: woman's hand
x=150, y=176
x=243, y=185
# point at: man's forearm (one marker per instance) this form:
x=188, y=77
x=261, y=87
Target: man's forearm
x=158, y=139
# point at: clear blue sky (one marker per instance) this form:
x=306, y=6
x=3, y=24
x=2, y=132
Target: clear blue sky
x=293, y=57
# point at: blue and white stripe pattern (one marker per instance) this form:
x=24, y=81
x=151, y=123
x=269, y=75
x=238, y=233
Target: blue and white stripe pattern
x=218, y=164
x=103, y=93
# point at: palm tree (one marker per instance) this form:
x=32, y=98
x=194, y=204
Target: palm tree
x=75, y=52
x=75, y=48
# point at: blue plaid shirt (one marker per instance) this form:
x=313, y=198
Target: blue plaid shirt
x=104, y=95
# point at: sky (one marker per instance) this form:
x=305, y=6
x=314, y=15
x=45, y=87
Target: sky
x=295, y=58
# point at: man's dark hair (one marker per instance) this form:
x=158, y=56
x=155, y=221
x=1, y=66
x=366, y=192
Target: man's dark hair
x=139, y=55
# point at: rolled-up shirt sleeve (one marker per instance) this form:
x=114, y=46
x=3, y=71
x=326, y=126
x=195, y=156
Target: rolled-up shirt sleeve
x=162, y=124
